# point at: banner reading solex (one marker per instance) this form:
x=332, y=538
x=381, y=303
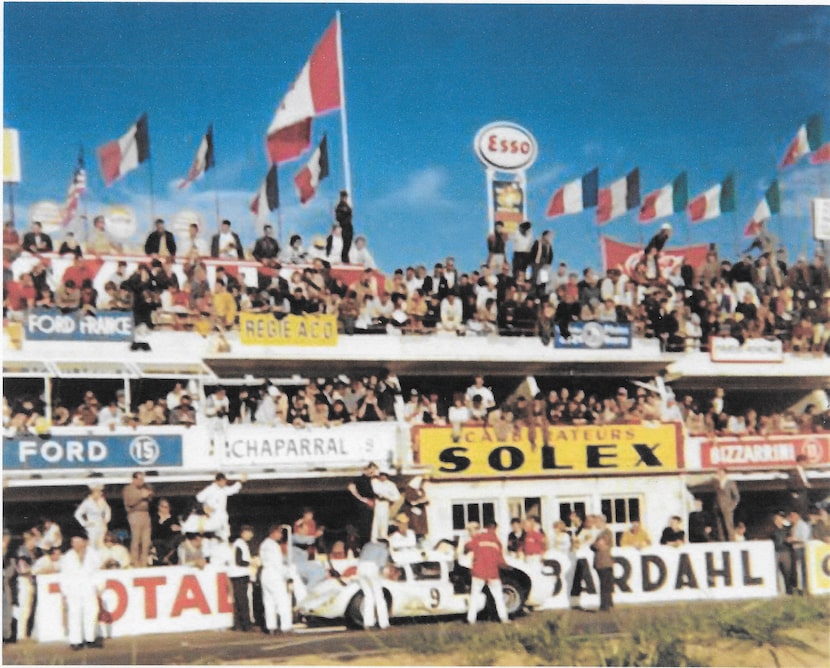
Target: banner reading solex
x=263, y=329
x=572, y=449
x=144, y=600
x=53, y=325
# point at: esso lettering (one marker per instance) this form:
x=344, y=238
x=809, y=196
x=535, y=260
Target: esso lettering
x=511, y=146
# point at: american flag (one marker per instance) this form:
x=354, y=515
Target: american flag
x=73, y=195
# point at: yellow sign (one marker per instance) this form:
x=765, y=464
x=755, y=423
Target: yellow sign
x=818, y=567
x=571, y=449
x=11, y=156
x=263, y=329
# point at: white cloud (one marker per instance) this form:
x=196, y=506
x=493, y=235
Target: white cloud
x=424, y=187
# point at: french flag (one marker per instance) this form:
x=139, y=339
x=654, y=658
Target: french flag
x=806, y=140
x=575, y=196
x=316, y=91
x=124, y=154
x=268, y=196
x=203, y=161
x=669, y=199
x=766, y=207
x=622, y=195
x=308, y=178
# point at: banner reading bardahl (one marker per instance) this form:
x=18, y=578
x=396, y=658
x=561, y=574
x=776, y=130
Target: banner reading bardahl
x=263, y=329
x=571, y=449
x=310, y=447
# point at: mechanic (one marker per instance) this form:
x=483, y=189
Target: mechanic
x=276, y=599
x=216, y=496
x=488, y=557
x=240, y=574
x=373, y=560
x=80, y=591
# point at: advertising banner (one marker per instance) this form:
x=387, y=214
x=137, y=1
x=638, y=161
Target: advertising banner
x=82, y=451
x=764, y=451
x=330, y=447
x=56, y=326
x=164, y=599
x=572, y=449
x=710, y=571
x=623, y=256
x=727, y=349
x=263, y=329
x=818, y=567
x=508, y=204
x=595, y=335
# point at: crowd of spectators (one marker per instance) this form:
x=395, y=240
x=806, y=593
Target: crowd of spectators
x=753, y=296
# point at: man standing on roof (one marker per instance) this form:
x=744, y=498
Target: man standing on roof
x=343, y=214
x=488, y=557
x=216, y=496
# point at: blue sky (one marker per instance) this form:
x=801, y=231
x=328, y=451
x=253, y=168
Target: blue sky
x=709, y=90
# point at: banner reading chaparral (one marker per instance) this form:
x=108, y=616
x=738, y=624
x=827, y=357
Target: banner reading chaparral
x=256, y=329
x=478, y=452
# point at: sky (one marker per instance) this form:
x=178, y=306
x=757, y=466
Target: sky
x=710, y=90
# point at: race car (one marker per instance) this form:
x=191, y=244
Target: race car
x=434, y=586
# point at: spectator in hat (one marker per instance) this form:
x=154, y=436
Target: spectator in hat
x=160, y=241
x=94, y=515
x=225, y=244
x=78, y=583
x=343, y=216
x=386, y=494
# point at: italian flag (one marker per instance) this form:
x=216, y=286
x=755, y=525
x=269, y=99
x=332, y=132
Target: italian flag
x=807, y=140
x=718, y=199
x=575, y=196
x=316, y=91
x=124, y=154
x=669, y=199
x=622, y=195
x=766, y=207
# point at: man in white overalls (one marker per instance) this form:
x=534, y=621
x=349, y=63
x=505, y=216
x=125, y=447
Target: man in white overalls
x=79, y=567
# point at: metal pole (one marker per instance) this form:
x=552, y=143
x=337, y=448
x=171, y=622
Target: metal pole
x=343, y=123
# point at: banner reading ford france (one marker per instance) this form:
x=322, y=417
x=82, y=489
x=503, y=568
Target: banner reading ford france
x=81, y=452
x=571, y=449
x=261, y=329
x=343, y=446
x=56, y=326
x=595, y=335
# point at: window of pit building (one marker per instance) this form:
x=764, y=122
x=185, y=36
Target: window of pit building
x=568, y=506
x=526, y=507
x=620, y=512
x=474, y=511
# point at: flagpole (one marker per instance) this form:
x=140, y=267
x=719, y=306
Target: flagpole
x=216, y=198
x=279, y=207
x=152, y=195
x=343, y=123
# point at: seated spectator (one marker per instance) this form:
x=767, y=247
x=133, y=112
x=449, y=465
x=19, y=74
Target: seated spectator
x=338, y=414
x=113, y=554
x=635, y=536
x=451, y=314
x=224, y=306
x=68, y=297
x=349, y=312
x=368, y=408
x=360, y=254
x=184, y=414
x=299, y=413
x=190, y=551
x=110, y=416
x=460, y=413
x=673, y=534
x=606, y=311
x=560, y=539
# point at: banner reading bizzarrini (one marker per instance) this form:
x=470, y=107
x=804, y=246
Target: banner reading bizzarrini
x=507, y=151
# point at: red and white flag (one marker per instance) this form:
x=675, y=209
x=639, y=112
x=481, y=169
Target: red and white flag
x=623, y=194
x=821, y=155
x=124, y=154
x=73, y=194
x=315, y=92
x=308, y=178
x=268, y=196
x=203, y=160
x=806, y=140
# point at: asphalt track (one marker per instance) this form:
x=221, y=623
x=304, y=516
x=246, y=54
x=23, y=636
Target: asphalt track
x=335, y=643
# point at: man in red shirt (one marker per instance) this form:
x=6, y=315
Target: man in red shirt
x=488, y=556
x=535, y=542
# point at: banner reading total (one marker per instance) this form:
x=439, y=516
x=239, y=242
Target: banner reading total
x=572, y=449
x=263, y=329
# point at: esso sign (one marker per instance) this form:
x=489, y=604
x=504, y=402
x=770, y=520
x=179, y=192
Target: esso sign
x=184, y=218
x=48, y=214
x=120, y=222
x=505, y=146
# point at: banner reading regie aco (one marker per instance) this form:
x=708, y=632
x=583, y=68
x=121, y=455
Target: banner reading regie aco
x=263, y=329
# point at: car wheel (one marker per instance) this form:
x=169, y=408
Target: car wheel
x=514, y=596
x=354, y=611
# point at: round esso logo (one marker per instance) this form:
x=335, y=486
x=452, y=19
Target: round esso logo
x=184, y=218
x=120, y=222
x=48, y=214
x=144, y=450
x=505, y=146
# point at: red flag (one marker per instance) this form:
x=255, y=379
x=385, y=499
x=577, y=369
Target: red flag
x=623, y=256
x=821, y=155
x=308, y=178
x=315, y=91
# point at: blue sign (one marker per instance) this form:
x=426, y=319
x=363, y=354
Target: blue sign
x=595, y=336
x=56, y=326
x=87, y=452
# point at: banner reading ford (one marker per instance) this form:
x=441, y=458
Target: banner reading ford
x=571, y=449
x=57, y=326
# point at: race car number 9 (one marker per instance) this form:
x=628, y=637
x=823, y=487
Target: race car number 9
x=434, y=598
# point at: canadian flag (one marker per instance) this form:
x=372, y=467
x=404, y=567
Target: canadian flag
x=308, y=178
x=316, y=91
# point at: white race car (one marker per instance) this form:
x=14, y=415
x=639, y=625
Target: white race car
x=432, y=587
